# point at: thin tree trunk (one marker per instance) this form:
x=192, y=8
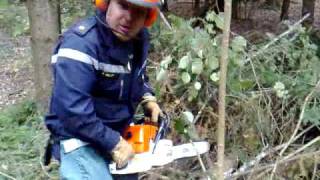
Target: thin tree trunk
x=222, y=87
x=272, y=3
x=196, y=8
x=164, y=6
x=308, y=6
x=285, y=9
x=235, y=9
x=44, y=25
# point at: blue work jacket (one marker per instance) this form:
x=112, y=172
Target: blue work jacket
x=98, y=83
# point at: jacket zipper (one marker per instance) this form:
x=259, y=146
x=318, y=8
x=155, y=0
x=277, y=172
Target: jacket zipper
x=121, y=89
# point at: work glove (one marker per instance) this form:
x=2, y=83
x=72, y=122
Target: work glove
x=151, y=109
x=122, y=153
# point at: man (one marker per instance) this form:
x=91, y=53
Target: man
x=99, y=76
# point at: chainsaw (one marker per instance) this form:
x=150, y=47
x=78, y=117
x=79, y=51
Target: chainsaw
x=152, y=150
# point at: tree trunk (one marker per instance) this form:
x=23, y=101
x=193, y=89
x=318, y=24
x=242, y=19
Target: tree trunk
x=44, y=25
x=165, y=6
x=308, y=6
x=222, y=87
x=236, y=9
x=285, y=9
x=272, y=3
x=196, y=7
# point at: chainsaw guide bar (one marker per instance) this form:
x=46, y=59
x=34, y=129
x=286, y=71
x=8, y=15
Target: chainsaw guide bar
x=164, y=153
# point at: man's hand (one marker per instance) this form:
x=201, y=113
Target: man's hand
x=152, y=111
x=122, y=153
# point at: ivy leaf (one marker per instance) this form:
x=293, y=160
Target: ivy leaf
x=185, y=77
x=162, y=75
x=184, y=62
x=197, y=66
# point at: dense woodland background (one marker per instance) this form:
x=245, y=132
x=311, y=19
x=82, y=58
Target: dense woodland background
x=273, y=89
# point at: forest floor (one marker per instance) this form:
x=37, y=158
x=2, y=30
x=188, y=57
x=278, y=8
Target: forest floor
x=15, y=69
x=15, y=53
x=262, y=19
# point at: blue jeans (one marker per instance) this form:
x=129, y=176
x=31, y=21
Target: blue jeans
x=85, y=163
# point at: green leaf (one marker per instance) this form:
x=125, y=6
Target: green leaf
x=213, y=63
x=162, y=75
x=200, y=53
x=246, y=84
x=193, y=93
x=238, y=43
x=188, y=116
x=214, y=77
x=211, y=16
x=179, y=126
x=4, y=4
x=185, y=77
x=269, y=77
x=210, y=29
x=197, y=66
x=197, y=85
x=219, y=20
x=312, y=115
x=166, y=62
x=184, y=62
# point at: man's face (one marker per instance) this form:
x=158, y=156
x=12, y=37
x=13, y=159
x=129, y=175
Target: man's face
x=125, y=19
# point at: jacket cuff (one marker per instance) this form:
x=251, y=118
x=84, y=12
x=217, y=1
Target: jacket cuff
x=112, y=141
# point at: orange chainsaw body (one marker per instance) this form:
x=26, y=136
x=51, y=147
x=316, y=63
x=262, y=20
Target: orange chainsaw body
x=139, y=136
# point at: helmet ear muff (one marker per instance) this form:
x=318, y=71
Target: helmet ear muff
x=152, y=17
x=102, y=5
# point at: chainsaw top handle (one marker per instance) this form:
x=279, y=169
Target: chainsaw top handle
x=164, y=122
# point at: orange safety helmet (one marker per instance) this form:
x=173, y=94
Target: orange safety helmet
x=152, y=4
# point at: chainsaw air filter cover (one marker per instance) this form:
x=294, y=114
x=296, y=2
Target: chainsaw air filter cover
x=140, y=136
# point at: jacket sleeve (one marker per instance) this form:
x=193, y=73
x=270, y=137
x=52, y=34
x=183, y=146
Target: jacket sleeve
x=74, y=78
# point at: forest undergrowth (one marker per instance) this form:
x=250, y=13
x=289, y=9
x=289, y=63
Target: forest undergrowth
x=273, y=98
